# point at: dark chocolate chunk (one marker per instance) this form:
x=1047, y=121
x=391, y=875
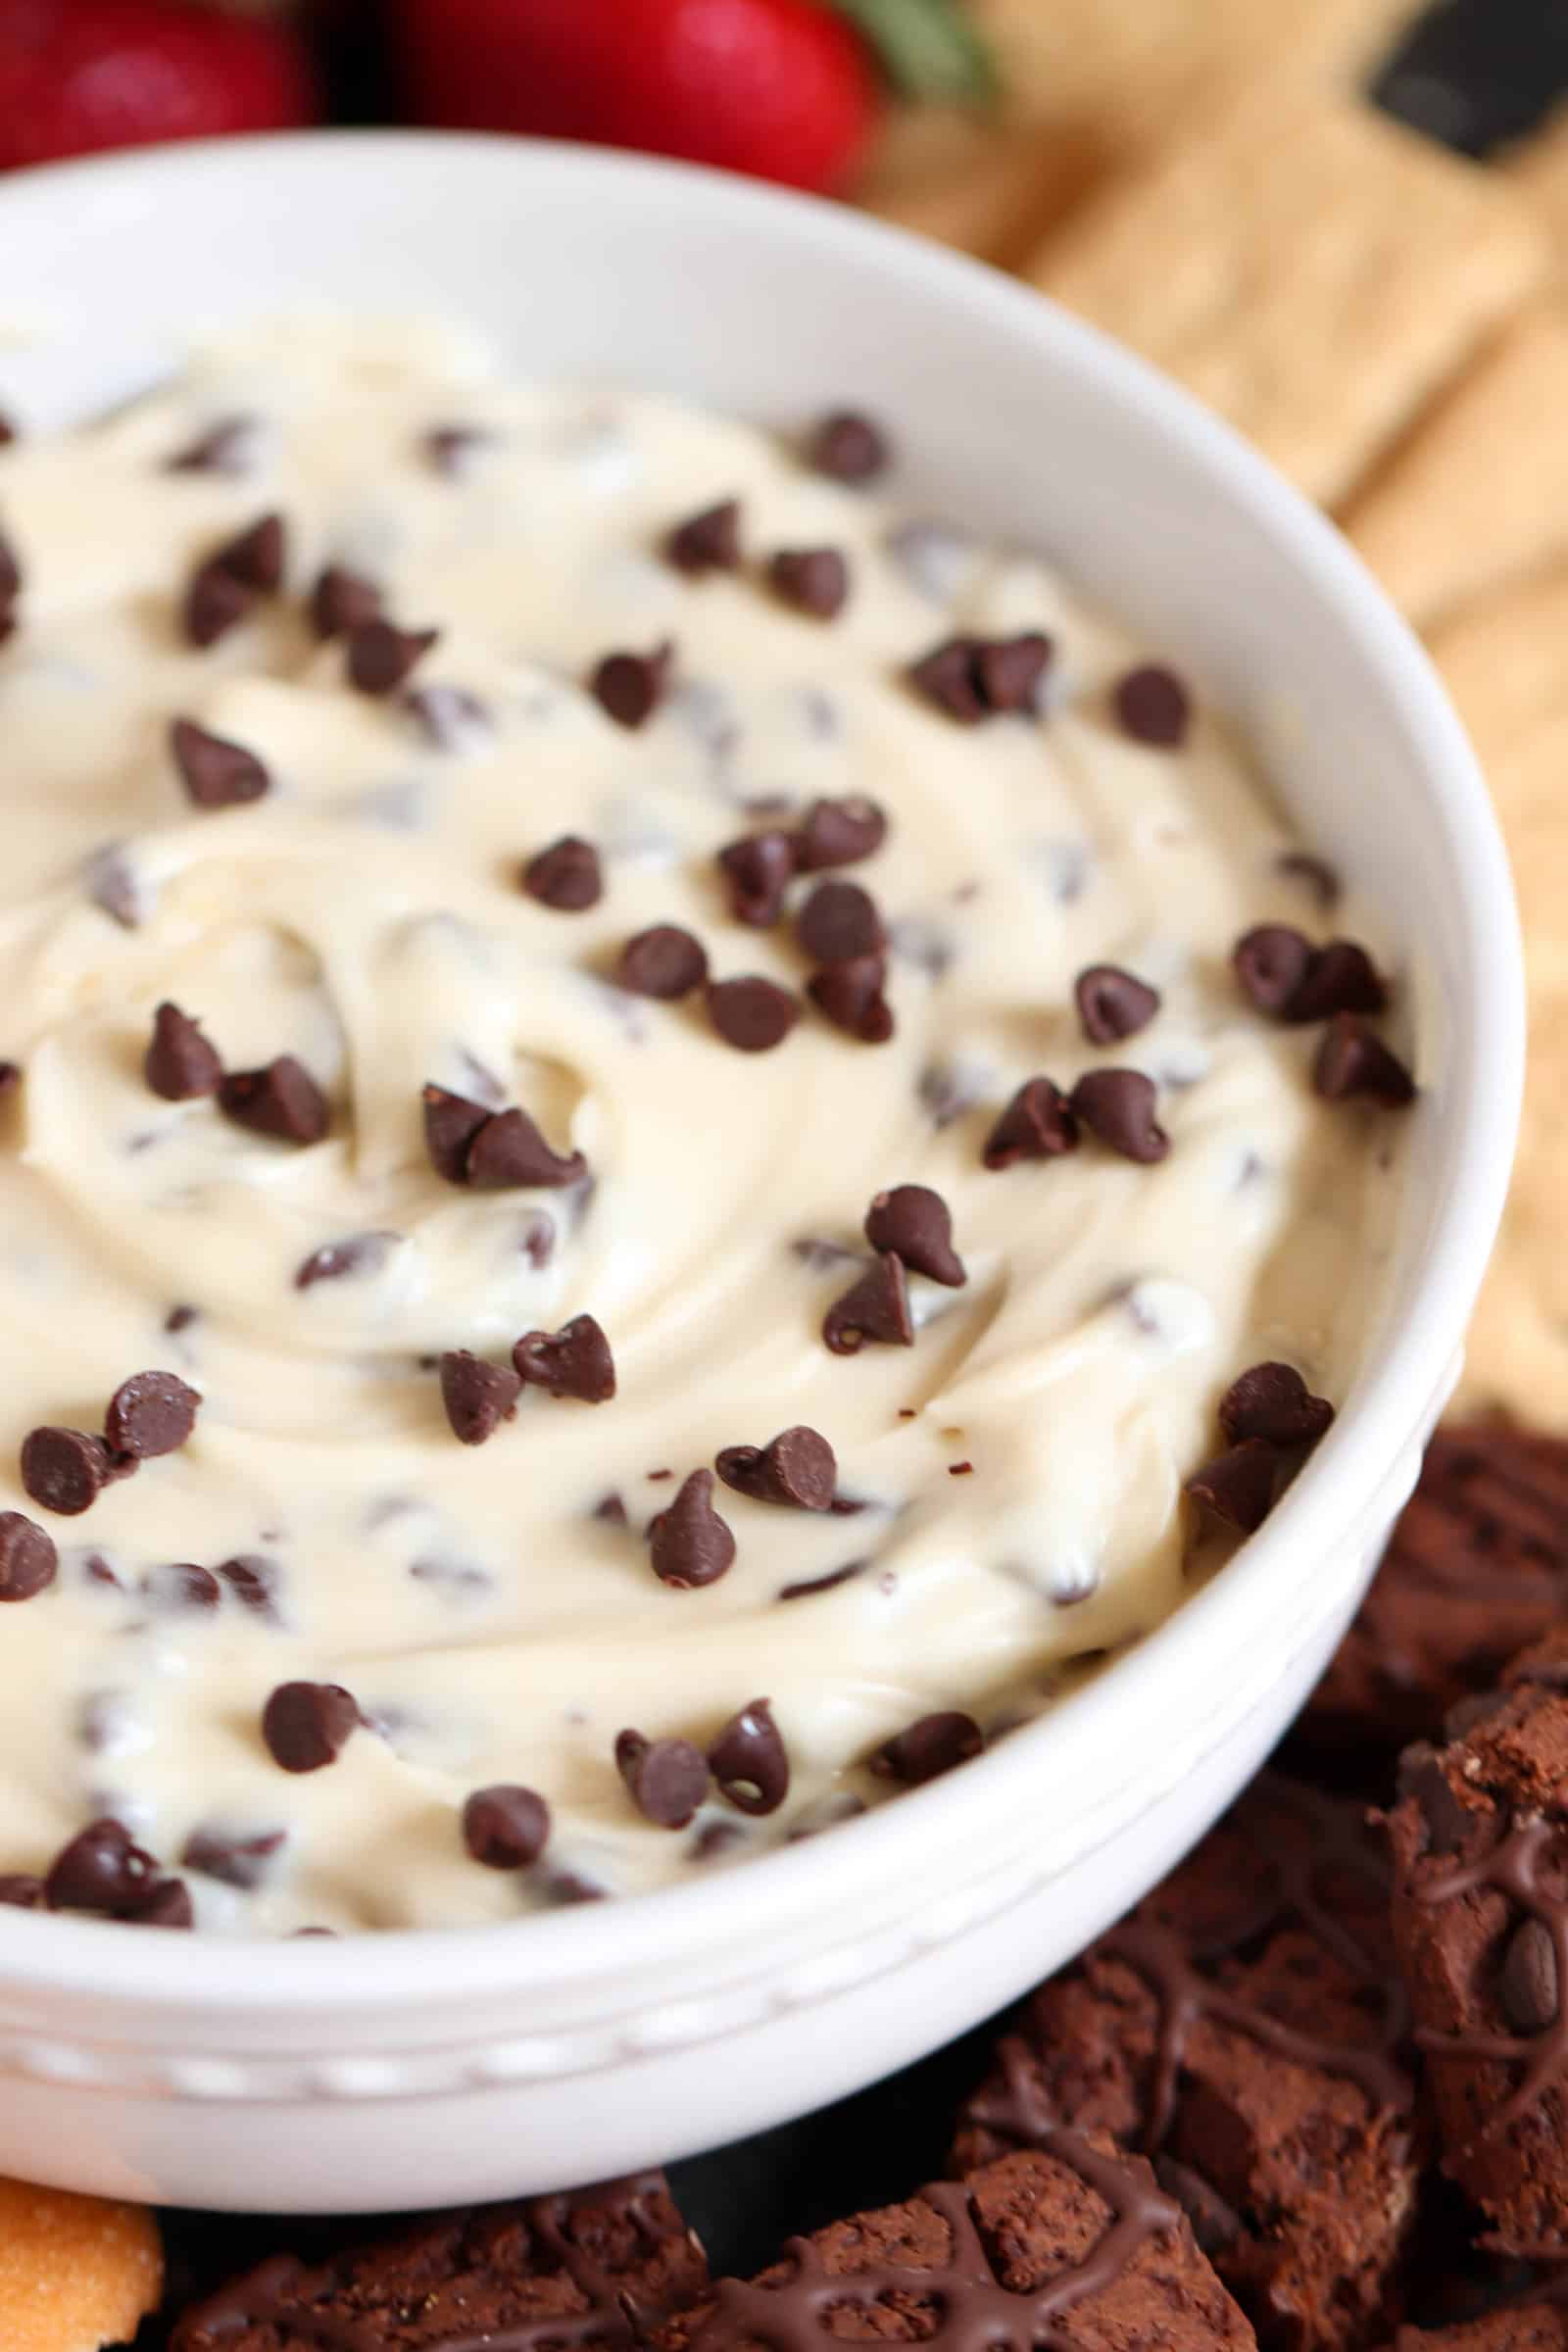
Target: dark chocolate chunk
x=916, y=1225
x=506, y=1827
x=65, y=1470
x=228, y=446
x=235, y=1861
x=1118, y=1107
x=1039, y=1123
x=933, y=1744
x=1113, y=1004
x=282, y=1101
x=179, y=1063
x=509, y=1150
x=839, y=923
x=758, y=870
x=451, y=1123
x=28, y=1560
x=342, y=602
x=691, y=1544
x=629, y=687
x=814, y=580
x=667, y=1779
x=1526, y=1982
x=876, y=1307
x=663, y=961
x=380, y=658
x=216, y=774
x=478, y=1397
x=848, y=447
x=1270, y=963
x=850, y=996
x=1353, y=1061
x=1152, y=706
x=1240, y=1485
x=215, y=601
x=575, y=1361
x=181, y=1585
x=101, y=1869
x=307, y=1725
x=565, y=876
x=707, y=542
x=356, y=1255
x=750, y=1761
x=149, y=1414
x=839, y=833
x=751, y=1013
x=1273, y=1402
x=797, y=1468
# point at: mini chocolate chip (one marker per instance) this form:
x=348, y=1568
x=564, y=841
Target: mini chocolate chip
x=947, y=677
x=380, y=656
x=228, y=447
x=611, y=1510
x=814, y=580
x=282, y=1101
x=667, y=1779
x=506, y=1827
x=1270, y=963
x=1007, y=670
x=149, y=1414
x=359, y=1253
x=343, y=600
x=28, y=1560
x=575, y=1361
x=1273, y=1402
x=478, y=1397
x=114, y=884
x=1351, y=1060
x=216, y=774
x=1118, y=1105
x=1527, y=1982
x=256, y=556
x=566, y=875
x=101, y=1869
x=1152, y=706
x=509, y=1150
x=691, y=1544
x=451, y=1123
x=839, y=833
x=1039, y=1123
x=663, y=961
x=215, y=602
x=758, y=868
x=1422, y=1778
x=166, y=1903
x=797, y=1468
x=1313, y=873
x=707, y=542
x=751, y=1013
x=22, y=1892
x=750, y=1762
x=1341, y=977
x=932, y=1745
x=629, y=687
x=180, y=1318
x=1238, y=1486
x=449, y=448
x=233, y=1861
x=876, y=1307
x=804, y=1587
x=850, y=996
x=848, y=447
x=450, y=716
x=253, y=1581
x=10, y=431
x=839, y=923
x=1113, y=1004
x=916, y=1225
x=65, y=1469
x=180, y=1585
x=306, y=1725
x=179, y=1063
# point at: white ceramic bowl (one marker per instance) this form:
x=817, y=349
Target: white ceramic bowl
x=406, y=2069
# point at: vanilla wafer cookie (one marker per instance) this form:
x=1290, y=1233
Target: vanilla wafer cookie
x=76, y=2274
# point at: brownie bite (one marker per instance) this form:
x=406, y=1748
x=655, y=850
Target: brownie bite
x=1242, y=2027
x=1477, y=1567
x=601, y=2266
x=1480, y=1840
x=1069, y=2246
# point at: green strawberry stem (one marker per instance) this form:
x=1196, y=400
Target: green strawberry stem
x=928, y=49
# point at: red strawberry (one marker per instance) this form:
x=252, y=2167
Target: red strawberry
x=782, y=89
x=76, y=75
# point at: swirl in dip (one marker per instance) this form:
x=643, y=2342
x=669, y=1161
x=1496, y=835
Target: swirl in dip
x=493, y=936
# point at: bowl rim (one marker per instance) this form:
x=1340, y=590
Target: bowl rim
x=433, y=1967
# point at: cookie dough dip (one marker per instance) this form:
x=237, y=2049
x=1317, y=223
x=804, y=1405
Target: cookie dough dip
x=673, y=1143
